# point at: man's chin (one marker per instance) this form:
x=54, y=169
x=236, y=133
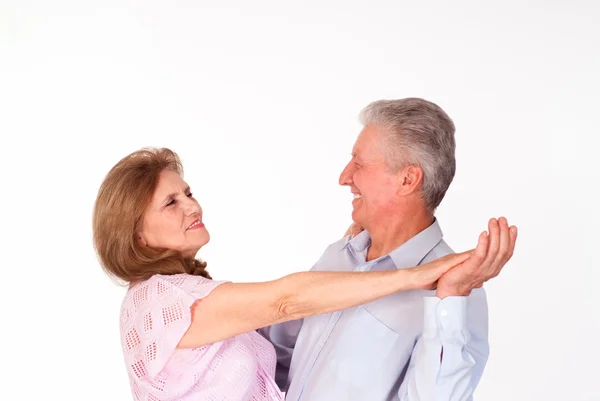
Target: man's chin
x=356, y=219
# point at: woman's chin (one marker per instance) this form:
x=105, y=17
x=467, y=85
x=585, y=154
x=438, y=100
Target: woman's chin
x=199, y=245
x=206, y=239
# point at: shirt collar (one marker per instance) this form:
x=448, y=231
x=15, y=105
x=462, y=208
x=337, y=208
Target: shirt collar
x=409, y=254
x=359, y=243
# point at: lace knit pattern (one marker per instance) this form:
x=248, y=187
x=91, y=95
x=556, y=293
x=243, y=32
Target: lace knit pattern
x=154, y=316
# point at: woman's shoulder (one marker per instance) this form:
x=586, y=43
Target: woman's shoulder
x=159, y=284
x=168, y=286
x=163, y=296
x=163, y=281
x=155, y=293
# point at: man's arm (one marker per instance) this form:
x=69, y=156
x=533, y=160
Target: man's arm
x=449, y=358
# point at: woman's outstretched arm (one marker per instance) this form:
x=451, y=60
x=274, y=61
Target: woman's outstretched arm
x=235, y=308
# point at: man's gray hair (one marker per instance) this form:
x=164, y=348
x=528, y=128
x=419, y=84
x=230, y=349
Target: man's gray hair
x=419, y=133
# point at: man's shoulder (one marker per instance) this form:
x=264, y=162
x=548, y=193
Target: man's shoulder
x=331, y=255
x=439, y=251
x=339, y=244
x=335, y=247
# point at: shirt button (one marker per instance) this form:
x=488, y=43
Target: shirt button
x=444, y=313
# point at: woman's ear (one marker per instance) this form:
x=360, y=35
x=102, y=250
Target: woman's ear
x=140, y=240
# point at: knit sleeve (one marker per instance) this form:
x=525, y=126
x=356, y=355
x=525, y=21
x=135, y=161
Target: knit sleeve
x=154, y=317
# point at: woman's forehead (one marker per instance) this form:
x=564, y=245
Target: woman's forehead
x=169, y=183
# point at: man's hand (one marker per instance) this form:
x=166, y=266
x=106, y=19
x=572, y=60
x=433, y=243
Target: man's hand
x=491, y=254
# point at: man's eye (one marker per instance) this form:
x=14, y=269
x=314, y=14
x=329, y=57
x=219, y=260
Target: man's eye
x=190, y=195
x=171, y=202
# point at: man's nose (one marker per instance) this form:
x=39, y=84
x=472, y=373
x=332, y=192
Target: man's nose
x=346, y=176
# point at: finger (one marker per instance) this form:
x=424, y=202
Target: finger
x=458, y=258
x=482, y=247
x=473, y=263
x=503, y=249
x=473, y=257
x=432, y=271
x=513, y=241
x=452, y=260
x=494, y=246
x=357, y=230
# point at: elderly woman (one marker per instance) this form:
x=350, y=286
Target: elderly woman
x=185, y=336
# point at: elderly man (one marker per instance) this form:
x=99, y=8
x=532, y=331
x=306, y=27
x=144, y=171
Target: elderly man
x=419, y=345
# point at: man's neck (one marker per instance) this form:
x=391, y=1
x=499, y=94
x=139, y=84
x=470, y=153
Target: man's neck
x=393, y=233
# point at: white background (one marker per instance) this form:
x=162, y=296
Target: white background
x=260, y=99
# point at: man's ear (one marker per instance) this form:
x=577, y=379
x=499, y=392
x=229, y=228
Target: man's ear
x=411, y=178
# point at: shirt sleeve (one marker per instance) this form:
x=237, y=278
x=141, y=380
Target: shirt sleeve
x=448, y=359
x=155, y=316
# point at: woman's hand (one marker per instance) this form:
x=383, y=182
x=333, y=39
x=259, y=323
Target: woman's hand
x=353, y=230
x=425, y=277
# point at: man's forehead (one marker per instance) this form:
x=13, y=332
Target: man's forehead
x=365, y=141
x=357, y=150
x=358, y=144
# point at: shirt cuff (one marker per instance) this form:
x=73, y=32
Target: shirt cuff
x=447, y=319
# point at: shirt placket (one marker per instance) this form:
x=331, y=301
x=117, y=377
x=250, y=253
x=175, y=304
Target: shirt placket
x=335, y=317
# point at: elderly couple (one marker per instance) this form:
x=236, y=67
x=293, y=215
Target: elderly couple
x=389, y=312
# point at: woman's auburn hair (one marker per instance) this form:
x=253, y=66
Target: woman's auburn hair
x=122, y=199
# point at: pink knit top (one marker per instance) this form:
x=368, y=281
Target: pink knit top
x=154, y=316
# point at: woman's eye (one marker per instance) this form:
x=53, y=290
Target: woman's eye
x=171, y=202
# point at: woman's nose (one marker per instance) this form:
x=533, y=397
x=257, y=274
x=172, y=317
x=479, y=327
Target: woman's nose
x=191, y=207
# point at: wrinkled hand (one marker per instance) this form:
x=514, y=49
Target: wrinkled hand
x=492, y=252
x=425, y=277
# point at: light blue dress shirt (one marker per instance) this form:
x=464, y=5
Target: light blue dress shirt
x=390, y=349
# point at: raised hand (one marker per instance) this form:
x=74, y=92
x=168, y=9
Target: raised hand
x=493, y=251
